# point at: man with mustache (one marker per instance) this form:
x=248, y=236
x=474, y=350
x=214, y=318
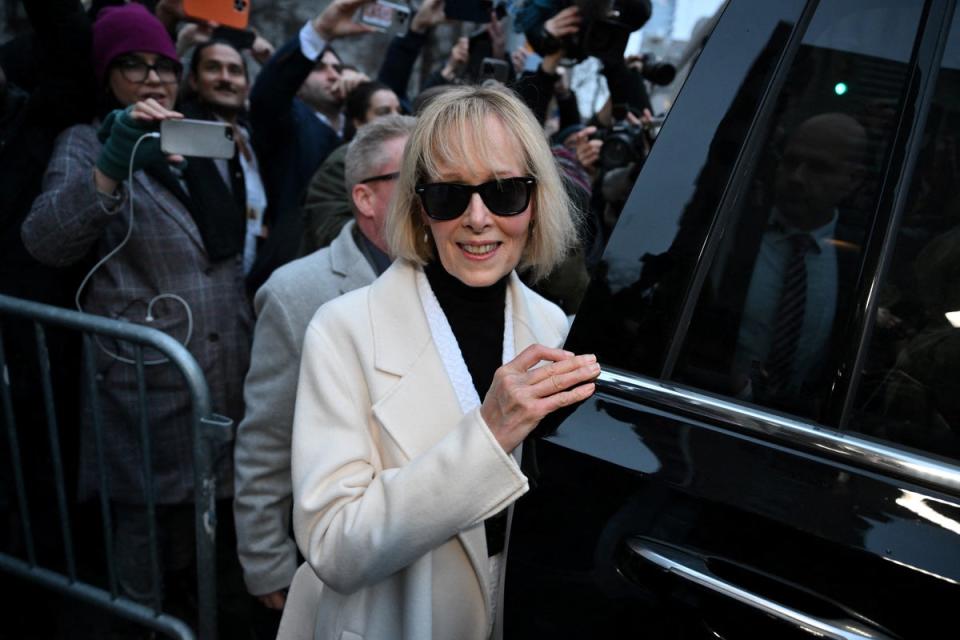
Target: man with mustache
x=219, y=83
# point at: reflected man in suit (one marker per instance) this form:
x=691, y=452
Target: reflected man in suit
x=804, y=266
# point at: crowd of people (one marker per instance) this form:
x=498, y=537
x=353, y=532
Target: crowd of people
x=445, y=238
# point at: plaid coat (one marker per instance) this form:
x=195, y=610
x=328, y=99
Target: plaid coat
x=164, y=255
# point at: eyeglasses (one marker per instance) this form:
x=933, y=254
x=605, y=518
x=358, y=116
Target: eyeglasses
x=448, y=200
x=137, y=70
x=386, y=176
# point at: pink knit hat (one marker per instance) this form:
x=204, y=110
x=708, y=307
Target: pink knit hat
x=125, y=29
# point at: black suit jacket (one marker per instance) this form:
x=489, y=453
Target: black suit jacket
x=714, y=332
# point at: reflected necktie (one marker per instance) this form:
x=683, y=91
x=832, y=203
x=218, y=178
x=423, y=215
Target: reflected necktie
x=790, y=311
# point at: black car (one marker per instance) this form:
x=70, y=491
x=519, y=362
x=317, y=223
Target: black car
x=773, y=450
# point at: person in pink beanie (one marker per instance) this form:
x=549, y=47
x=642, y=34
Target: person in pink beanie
x=110, y=194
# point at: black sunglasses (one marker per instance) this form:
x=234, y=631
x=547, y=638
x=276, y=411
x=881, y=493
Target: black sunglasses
x=448, y=200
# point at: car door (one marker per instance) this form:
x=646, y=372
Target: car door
x=750, y=465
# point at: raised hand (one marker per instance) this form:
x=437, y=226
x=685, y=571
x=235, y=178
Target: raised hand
x=564, y=23
x=457, y=60
x=429, y=15
x=261, y=49
x=336, y=21
x=121, y=133
x=349, y=79
x=522, y=393
x=588, y=149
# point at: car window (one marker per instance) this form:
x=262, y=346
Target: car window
x=777, y=295
x=910, y=386
x=630, y=313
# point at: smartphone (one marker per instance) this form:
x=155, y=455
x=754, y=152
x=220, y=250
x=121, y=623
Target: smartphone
x=494, y=69
x=232, y=13
x=386, y=16
x=197, y=138
x=241, y=39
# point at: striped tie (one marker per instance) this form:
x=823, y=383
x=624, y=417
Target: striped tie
x=790, y=311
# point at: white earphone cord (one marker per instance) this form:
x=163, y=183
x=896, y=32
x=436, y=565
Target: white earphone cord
x=113, y=252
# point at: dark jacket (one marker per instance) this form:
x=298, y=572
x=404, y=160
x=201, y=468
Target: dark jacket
x=398, y=62
x=326, y=206
x=290, y=142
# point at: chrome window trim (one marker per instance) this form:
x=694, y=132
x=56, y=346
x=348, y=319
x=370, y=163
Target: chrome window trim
x=844, y=445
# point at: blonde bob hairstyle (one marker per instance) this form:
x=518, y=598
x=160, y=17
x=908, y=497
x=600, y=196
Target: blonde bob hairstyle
x=454, y=122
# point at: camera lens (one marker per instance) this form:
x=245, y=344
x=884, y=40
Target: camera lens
x=617, y=151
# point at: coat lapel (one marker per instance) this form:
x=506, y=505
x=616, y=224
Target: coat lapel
x=404, y=347
x=348, y=262
x=529, y=327
x=168, y=203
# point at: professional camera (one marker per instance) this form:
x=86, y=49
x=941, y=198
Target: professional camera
x=655, y=70
x=623, y=143
x=604, y=29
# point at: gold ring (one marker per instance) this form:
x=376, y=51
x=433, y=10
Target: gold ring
x=555, y=385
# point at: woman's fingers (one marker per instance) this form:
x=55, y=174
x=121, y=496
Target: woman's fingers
x=563, y=375
x=534, y=354
x=573, y=396
x=560, y=366
x=150, y=109
x=522, y=394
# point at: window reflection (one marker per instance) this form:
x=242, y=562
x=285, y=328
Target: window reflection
x=771, y=314
x=910, y=392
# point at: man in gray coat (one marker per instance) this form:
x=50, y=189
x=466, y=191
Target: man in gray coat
x=284, y=307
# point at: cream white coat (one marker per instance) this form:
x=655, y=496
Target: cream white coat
x=391, y=481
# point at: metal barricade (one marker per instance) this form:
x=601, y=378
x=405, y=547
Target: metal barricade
x=207, y=427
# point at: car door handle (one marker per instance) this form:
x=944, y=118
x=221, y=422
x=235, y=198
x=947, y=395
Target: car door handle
x=694, y=568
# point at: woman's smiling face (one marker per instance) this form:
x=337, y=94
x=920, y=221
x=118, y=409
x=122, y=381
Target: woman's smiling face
x=479, y=247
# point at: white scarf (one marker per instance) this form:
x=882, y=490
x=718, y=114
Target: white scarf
x=448, y=348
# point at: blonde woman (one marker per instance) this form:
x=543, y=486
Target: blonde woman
x=416, y=392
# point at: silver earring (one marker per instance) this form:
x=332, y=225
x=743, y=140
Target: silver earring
x=426, y=238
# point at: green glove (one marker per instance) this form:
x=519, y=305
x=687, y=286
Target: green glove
x=119, y=133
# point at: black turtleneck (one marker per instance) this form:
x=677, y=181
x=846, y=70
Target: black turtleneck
x=475, y=315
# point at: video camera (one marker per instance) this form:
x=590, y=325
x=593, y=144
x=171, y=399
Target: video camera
x=604, y=29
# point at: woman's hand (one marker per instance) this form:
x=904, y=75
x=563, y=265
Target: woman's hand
x=150, y=110
x=121, y=134
x=522, y=394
